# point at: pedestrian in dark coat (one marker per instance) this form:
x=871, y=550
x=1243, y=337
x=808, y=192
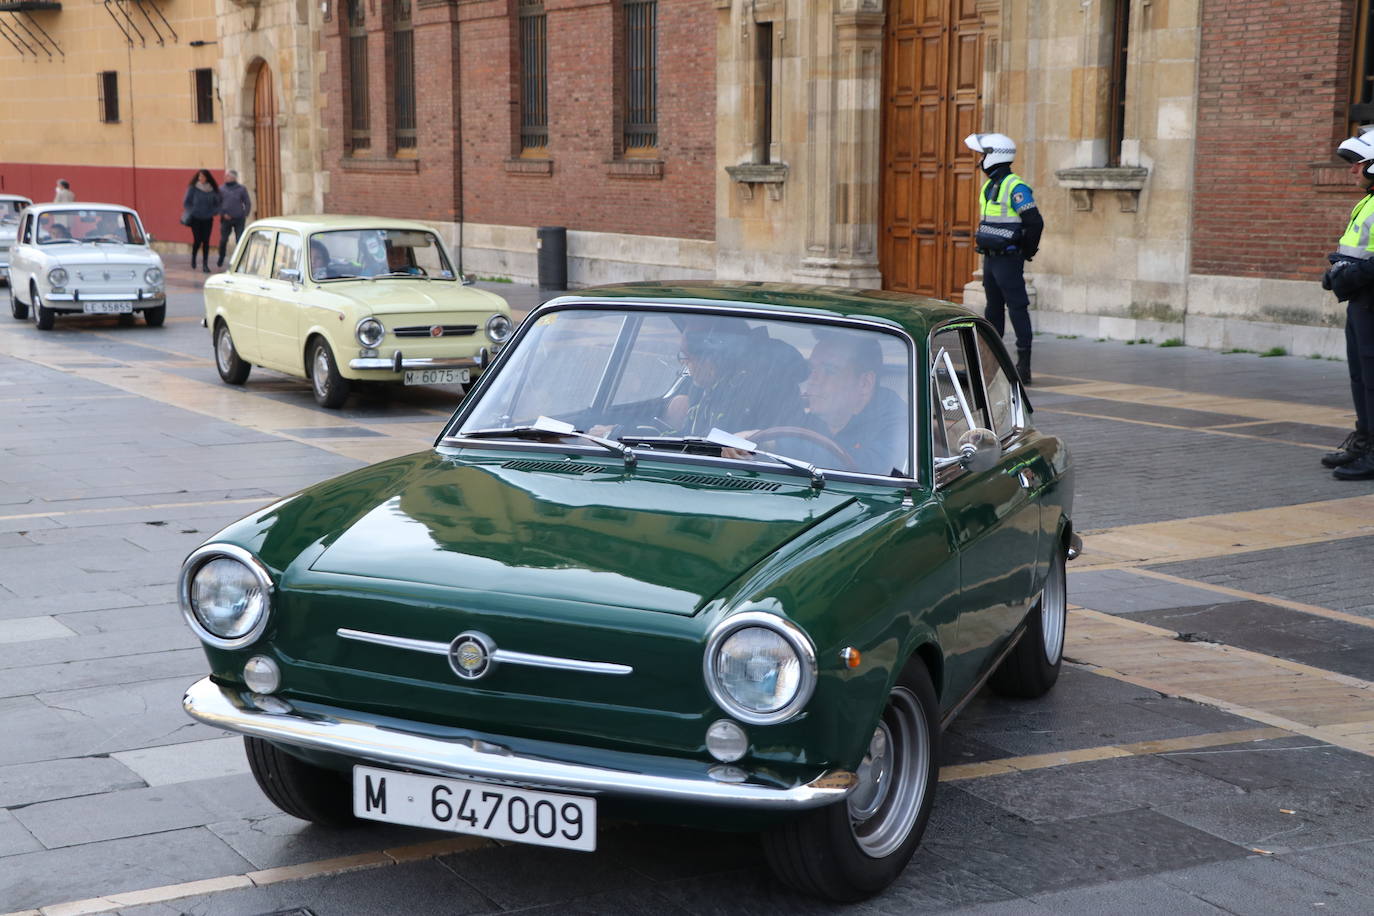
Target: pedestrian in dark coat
x=235, y=205
x=199, y=208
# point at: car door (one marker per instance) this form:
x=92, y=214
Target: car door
x=239, y=291
x=279, y=309
x=994, y=521
x=21, y=259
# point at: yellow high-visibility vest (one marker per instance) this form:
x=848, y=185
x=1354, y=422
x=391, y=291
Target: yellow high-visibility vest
x=1356, y=242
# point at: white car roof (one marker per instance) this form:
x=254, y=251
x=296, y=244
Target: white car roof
x=14, y=197
x=83, y=205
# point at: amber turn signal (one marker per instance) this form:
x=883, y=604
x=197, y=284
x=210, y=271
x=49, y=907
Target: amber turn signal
x=851, y=657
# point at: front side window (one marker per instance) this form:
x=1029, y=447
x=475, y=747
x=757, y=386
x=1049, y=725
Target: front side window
x=10, y=210
x=288, y=256
x=829, y=394
x=350, y=254
x=257, y=254
x=956, y=390
x=85, y=226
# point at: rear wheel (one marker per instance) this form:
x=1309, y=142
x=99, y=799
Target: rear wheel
x=43, y=316
x=852, y=850
x=331, y=388
x=18, y=309
x=1033, y=666
x=232, y=368
x=155, y=316
x=300, y=789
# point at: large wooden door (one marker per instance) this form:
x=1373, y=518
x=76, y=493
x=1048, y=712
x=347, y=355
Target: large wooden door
x=266, y=149
x=932, y=70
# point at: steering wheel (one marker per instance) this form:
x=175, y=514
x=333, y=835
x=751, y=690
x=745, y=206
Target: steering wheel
x=810, y=435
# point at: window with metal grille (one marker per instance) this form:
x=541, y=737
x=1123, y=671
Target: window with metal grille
x=1361, y=108
x=534, y=77
x=641, y=77
x=1116, y=81
x=359, y=125
x=203, y=95
x=403, y=74
x=763, y=98
x=107, y=84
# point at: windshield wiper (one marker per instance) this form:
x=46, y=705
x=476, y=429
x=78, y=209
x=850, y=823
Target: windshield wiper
x=399, y=273
x=547, y=426
x=61, y=242
x=721, y=439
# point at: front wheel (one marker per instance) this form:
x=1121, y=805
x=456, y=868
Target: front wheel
x=155, y=316
x=233, y=370
x=300, y=789
x=1033, y=666
x=852, y=850
x=43, y=316
x=18, y=309
x=331, y=388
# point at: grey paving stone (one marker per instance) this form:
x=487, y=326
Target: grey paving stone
x=1120, y=591
x=145, y=617
x=744, y=892
x=1100, y=787
x=1321, y=816
x=332, y=432
x=1144, y=896
x=27, y=783
x=51, y=651
x=274, y=840
x=1345, y=864
x=64, y=602
x=667, y=853
x=14, y=839
x=31, y=629
x=1278, y=763
x=127, y=669
x=1264, y=884
x=539, y=875
x=187, y=762
x=55, y=876
x=647, y=901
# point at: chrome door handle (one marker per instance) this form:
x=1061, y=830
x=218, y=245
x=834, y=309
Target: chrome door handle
x=1028, y=478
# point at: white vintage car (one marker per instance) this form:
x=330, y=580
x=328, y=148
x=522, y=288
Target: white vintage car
x=11, y=205
x=84, y=258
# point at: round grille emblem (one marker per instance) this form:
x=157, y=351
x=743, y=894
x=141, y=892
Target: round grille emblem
x=470, y=655
x=436, y=331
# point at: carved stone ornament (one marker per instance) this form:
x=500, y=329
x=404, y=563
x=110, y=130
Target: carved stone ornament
x=1127, y=181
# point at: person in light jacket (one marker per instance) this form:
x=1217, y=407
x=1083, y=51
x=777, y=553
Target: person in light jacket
x=201, y=204
x=235, y=205
x=64, y=193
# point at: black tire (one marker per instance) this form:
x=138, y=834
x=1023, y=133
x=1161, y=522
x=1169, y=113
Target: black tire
x=43, y=316
x=330, y=388
x=850, y=851
x=18, y=309
x=300, y=789
x=155, y=316
x=232, y=367
x=1033, y=666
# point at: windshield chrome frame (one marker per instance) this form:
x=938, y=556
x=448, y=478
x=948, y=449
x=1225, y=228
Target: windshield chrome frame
x=916, y=477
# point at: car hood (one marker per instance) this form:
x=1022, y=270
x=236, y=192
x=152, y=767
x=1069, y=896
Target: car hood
x=105, y=255
x=660, y=540
x=394, y=297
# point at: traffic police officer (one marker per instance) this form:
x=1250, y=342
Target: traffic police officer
x=1351, y=278
x=1008, y=236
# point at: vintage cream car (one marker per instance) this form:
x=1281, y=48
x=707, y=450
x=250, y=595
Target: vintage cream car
x=11, y=205
x=84, y=258
x=338, y=299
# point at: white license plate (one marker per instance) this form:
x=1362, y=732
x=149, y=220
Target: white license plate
x=480, y=808
x=107, y=308
x=437, y=376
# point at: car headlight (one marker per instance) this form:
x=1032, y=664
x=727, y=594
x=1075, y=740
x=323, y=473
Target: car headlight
x=760, y=668
x=152, y=276
x=225, y=595
x=57, y=277
x=370, y=332
x=499, y=328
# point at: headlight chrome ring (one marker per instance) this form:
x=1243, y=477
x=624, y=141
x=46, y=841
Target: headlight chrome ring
x=800, y=644
x=198, y=559
x=152, y=276
x=370, y=332
x=57, y=276
x=499, y=328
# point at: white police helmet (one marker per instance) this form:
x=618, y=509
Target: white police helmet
x=996, y=148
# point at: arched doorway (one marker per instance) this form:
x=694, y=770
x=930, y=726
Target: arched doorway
x=932, y=99
x=266, y=148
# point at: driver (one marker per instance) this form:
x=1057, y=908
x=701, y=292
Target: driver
x=845, y=402
x=109, y=226
x=398, y=261
x=319, y=260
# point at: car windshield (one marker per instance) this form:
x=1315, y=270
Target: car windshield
x=9, y=210
x=832, y=395
x=88, y=226
x=347, y=254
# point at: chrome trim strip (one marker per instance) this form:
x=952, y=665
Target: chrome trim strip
x=436, y=362
x=470, y=757
x=501, y=656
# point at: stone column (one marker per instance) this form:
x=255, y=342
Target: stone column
x=845, y=167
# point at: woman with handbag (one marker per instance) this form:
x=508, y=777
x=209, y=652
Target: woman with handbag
x=198, y=209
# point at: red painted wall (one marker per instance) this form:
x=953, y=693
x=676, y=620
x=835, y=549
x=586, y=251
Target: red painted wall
x=155, y=193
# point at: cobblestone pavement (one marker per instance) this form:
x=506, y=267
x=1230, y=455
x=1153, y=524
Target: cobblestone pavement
x=1207, y=750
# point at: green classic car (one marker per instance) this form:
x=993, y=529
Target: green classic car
x=345, y=299
x=726, y=555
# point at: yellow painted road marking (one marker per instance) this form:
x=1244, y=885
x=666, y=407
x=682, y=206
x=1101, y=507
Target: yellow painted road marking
x=1227, y=534
x=1330, y=707
x=1209, y=430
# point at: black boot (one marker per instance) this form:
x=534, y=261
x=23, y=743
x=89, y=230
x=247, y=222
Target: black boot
x=1362, y=468
x=1355, y=444
x=1023, y=366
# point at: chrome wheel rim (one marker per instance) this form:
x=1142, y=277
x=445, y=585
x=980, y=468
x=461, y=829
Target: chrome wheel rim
x=224, y=350
x=1053, y=611
x=892, y=777
x=319, y=377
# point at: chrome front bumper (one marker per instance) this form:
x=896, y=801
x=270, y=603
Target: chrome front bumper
x=139, y=298
x=472, y=758
x=397, y=362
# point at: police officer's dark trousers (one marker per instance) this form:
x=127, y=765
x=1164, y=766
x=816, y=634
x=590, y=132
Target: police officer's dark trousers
x=1359, y=354
x=1004, y=281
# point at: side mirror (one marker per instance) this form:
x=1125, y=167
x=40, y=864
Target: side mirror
x=979, y=449
x=289, y=274
x=151, y=238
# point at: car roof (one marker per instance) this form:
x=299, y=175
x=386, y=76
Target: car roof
x=82, y=205
x=325, y=222
x=14, y=197
x=916, y=315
